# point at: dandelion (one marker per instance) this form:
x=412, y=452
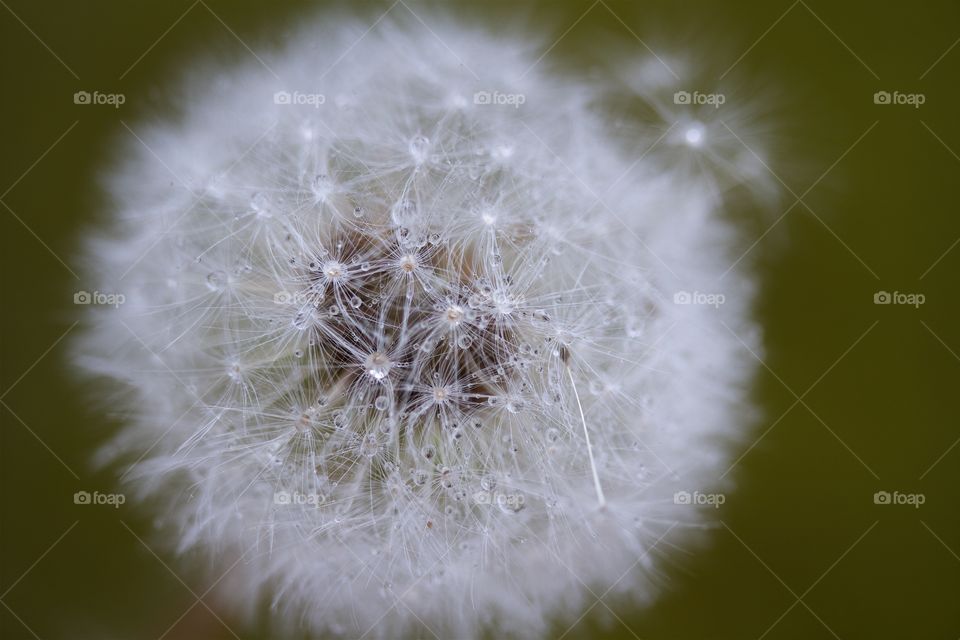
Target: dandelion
x=410, y=353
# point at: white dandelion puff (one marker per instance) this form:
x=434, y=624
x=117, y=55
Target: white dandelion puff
x=402, y=332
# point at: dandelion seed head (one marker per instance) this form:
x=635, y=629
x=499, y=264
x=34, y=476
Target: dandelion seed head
x=407, y=348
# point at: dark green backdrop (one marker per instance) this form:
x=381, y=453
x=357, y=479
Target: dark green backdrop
x=801, y=550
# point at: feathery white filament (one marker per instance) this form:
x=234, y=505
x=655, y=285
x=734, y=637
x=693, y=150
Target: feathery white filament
x=586, y=436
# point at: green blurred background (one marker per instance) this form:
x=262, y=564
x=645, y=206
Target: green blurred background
x=800, y=550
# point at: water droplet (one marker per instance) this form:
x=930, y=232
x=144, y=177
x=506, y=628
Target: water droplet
x=378, y=365
x=260, y=204
x=381, y=403
x=419, y=148
x=358, y=212
x=428, y=452
x=370, y=447
x=216, y=280
x=488, y=482
x=464, y=342
x=355, y=302
x=447, y=478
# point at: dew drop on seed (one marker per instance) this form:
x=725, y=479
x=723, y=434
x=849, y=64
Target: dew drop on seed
x=355, y=302
x=358, y=212
x=553, y=435
x=216, y=280
x=260, y=204
x=370, y=447
x=298, y=353
x=378, y=365
x=488, y=482
x=381, y=403
x=428, y=452
x=419, y=148
x=447, y=478
x=464, y=342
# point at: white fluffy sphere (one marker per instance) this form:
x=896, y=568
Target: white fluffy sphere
x=405, y=333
